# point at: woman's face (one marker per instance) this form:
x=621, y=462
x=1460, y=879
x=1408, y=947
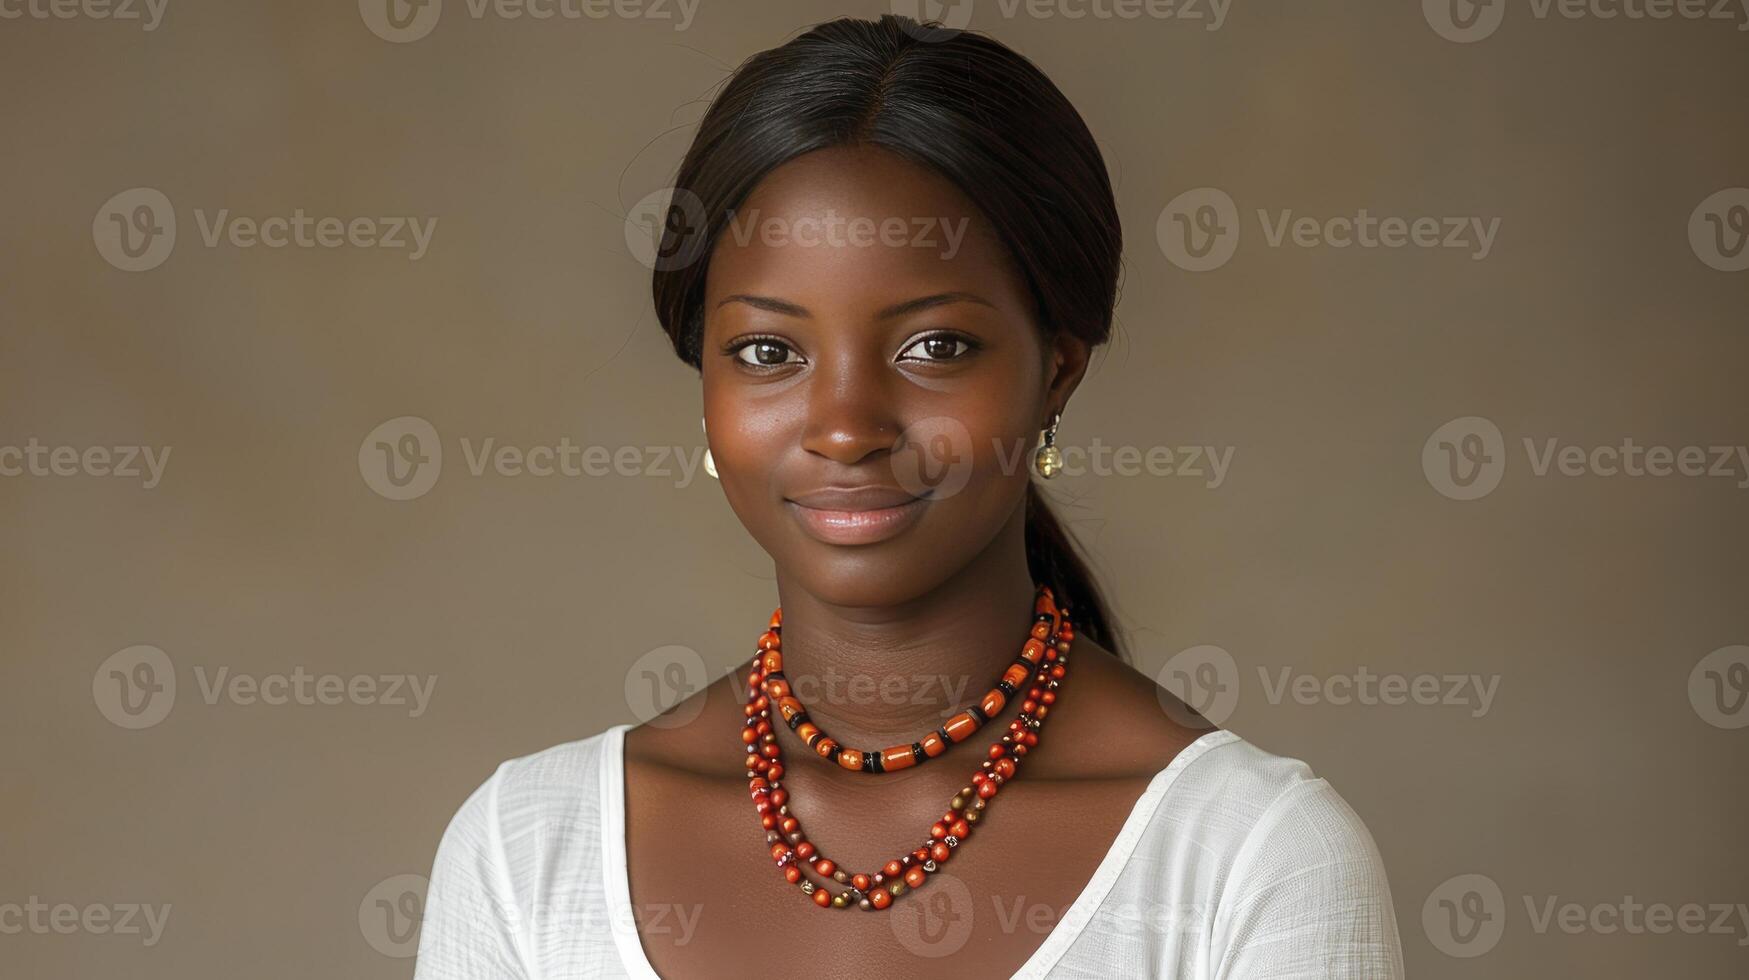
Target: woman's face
x=874, y=377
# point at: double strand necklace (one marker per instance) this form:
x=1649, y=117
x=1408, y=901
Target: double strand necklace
x=1042, y=664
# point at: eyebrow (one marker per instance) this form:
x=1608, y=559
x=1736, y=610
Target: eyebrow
x=786, y=308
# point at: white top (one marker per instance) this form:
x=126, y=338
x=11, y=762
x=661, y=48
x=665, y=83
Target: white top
x=1232, y=863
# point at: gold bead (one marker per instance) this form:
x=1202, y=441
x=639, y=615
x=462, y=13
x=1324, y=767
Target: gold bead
x=1049, y=461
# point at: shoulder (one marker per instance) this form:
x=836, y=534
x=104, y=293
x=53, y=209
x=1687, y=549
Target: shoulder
x=1296, y=883
x=525, y=842
x=531, y=805
x=565, y=774
x=1253, y=807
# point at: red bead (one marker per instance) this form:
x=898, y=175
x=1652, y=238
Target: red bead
x=940, y=852
x=860, y=882
x=822, y=897
x=987, y=789
x=880, y=898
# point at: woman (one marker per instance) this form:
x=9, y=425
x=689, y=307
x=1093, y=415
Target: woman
x=889, y=257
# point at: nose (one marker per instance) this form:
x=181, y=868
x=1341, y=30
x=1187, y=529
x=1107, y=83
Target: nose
x=850, y=410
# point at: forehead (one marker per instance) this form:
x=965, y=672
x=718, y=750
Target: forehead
x=857, y=225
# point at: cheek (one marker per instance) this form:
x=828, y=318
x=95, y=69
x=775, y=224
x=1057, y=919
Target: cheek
x=748, y=441
x=975, y=464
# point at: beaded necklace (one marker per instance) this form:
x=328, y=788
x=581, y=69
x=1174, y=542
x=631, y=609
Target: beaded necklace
x=1043, y=662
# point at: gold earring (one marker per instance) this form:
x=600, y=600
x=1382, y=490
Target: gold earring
x=710, y=465
x=1048, y=461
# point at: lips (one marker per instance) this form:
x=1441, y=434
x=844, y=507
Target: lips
x=853, y=498
x=856, y=515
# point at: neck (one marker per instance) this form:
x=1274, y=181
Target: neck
x=874, y=676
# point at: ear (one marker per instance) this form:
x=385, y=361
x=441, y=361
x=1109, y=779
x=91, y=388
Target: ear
x=1066, y=361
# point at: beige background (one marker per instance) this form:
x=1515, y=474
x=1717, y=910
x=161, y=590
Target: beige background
x=1589, y=600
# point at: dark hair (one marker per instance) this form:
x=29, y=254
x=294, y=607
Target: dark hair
x=967, y=108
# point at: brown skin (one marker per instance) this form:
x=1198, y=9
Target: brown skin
x=949, y=597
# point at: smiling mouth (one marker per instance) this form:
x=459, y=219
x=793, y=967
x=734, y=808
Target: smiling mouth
x=850, y=517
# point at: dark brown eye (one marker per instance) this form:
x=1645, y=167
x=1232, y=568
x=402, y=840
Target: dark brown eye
x=938, y=347
x=764, y=353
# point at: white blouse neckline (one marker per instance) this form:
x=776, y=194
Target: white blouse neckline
x=617, y=885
